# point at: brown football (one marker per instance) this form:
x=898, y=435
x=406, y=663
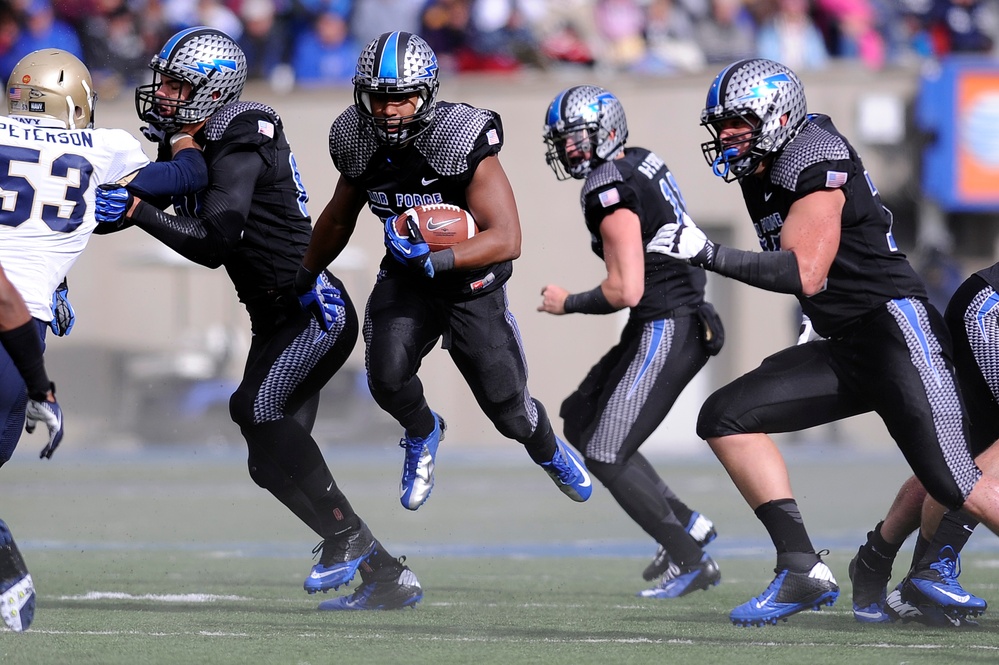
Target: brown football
x=443, y=225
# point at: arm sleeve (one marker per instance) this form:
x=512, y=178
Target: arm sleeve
x=186, y=173
x=208, y=238
x=772, y=271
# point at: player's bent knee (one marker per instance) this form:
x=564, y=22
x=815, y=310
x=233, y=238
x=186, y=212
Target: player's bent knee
x=714, y=422
x=241, y=408
x=518, y=427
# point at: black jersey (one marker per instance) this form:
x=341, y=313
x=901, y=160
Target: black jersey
x=869, y=269
x=641, y=182
x=275, y=236
x=262, y=253
x=436, y=167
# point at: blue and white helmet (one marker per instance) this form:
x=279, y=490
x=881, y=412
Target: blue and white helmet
x=209, y=60
x=397, y=63
x=586, y=114
x=760, y=91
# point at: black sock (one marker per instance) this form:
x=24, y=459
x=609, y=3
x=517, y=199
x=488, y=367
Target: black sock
x=541, y=445
x=783, y=522
x=878, y=554
x=954, y=530
x=380, y=565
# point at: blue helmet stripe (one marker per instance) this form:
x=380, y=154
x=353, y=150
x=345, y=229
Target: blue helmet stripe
x=176, y=39
x=555, y=110
x=388, y=68
x=718, y=84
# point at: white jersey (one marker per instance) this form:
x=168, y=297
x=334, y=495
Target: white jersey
x=48, y=176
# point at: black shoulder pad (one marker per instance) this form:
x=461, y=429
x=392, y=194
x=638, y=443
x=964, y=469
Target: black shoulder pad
x=812, y=145
x=351, y=143
x=250, y=122
x=605, y=174
x=454, y=141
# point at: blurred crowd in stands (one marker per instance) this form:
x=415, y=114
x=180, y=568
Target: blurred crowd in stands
x=316, y=42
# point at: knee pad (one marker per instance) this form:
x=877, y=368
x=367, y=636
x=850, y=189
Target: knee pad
x=516, y=427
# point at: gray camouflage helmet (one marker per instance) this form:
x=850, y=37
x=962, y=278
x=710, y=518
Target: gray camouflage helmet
x=593, y=119
x=207, y=59
x=396, y=64
x=760, y=92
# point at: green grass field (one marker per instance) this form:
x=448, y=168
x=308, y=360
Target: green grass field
x=176, y=557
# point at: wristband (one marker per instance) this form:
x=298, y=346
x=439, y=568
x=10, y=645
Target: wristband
x=24, y=346
x=178, y=137
x=589, y=302
x=305, y=279
x=442, y=260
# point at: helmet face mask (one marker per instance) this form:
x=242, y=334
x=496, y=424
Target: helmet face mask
x=584, y=127
x=197, y=72
x=52, y=83
x=392, y=68
x=766, y=96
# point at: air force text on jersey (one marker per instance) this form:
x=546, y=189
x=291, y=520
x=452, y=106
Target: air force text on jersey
x=23, y=130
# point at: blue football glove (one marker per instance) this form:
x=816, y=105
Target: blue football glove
x=324, y=302
x=50, y=415
x=63, y=316
x=410, y=250
x=112, y=203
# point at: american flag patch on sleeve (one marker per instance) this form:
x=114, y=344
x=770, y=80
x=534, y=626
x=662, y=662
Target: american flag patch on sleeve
x=835, y=179
x=610, y=197
x=266, y=128
x=492, y=137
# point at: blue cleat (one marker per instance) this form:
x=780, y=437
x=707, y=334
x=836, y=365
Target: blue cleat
x=870, y=589
x=789, y=594
x=401, y=591
x=679, y=581
x=418, y=467
x=905, y=611
x=569, y=472
x=17, y=591
x=341, y=557
x=700, y=528
x=938, y=586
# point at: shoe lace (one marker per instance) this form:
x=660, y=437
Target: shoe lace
x=949, y=567
x=565, y=473
x=414, y=451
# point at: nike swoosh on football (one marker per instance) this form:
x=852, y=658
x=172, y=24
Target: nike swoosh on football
x=428, y=181
x=960, y=599
x=433, y=225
